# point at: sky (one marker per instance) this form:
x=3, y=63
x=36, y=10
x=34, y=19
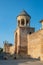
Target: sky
x=9, y=9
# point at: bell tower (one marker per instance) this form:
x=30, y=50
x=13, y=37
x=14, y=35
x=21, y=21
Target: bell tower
x=23, y=19
x=23, y=28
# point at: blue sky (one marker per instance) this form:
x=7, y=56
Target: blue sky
x=9, y=9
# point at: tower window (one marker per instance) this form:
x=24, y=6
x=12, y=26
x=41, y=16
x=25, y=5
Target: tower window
x=22, y=21
x=26, y=22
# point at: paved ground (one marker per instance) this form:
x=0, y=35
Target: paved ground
x=20, y=62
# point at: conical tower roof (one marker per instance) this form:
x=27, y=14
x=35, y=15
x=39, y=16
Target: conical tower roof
x=24, y=13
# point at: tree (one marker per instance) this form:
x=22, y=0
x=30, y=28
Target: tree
x=1, y=50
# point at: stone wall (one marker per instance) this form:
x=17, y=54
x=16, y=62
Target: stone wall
x=12, y=50
x=35, y=45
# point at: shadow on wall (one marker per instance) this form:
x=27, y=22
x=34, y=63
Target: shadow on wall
x=33, y=59
x=7, y=56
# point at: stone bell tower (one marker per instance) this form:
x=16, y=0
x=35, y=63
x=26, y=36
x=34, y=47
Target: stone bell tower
x=23, y=29
x=23, y=19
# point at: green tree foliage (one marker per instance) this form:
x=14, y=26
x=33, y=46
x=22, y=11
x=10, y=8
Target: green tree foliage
x=1, y=50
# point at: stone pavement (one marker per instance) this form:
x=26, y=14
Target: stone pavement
x=20, y=62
